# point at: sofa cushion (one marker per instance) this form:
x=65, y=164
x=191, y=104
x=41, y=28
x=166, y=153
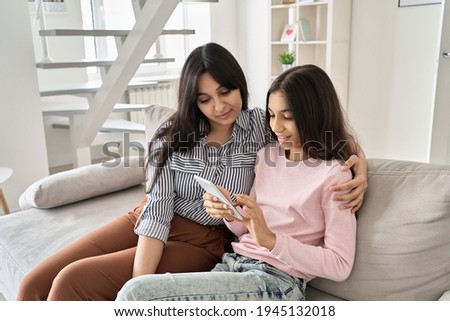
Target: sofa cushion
x=403, y=239
x=83, y=182
x=30, y=236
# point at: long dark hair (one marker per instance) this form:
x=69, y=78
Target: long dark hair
x=182, y=129
x=315, y=105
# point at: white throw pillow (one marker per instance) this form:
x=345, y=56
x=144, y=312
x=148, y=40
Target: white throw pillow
x=83, y=183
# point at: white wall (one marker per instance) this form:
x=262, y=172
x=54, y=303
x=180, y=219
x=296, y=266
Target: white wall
x=21, y=127
x=254, y=47
x=243, y=28
x=392, y=72
x=224, y=24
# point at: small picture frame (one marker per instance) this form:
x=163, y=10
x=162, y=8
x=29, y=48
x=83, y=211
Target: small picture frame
x=290, y=32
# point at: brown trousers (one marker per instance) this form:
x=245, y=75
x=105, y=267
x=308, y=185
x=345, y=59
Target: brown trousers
x=96, y=266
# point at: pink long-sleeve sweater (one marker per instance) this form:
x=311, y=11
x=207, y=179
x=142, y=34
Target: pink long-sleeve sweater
x=313, y=236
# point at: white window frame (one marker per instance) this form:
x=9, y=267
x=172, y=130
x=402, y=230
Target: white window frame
x=98, y=47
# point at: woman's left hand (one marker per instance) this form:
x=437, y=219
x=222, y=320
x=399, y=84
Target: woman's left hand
x=215, y=208
x=255, y=222
x=357, y=187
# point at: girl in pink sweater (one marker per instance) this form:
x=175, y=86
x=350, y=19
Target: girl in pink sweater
x=293, y=230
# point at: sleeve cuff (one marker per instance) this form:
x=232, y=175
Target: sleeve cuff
x=278, y=247
x=153, y=229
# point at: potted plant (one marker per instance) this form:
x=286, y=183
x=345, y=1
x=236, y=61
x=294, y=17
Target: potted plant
x=287, y=59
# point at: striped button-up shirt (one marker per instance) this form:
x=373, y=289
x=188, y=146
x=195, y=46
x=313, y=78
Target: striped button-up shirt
x=230, y=166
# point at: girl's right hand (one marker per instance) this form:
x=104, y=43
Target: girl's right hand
x=217, y=209
x=255, y=222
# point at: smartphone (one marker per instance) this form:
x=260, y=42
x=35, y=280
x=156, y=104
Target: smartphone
x=212, y=189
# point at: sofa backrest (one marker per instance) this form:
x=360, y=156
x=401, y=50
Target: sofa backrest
x=154, y=116
x=403, y=239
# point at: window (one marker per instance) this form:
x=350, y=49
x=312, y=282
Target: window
x=118, y=14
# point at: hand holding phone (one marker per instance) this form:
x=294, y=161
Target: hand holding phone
x=212, y=189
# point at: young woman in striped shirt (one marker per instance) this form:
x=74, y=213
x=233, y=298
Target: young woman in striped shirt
x=214, y=134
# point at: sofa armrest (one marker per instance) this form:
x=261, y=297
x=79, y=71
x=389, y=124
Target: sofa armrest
x=82, y=183
x=445, y=296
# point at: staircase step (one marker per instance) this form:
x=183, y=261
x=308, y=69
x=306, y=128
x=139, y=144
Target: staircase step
x=122, y=125
x=90, y=87
x=78, y=108
x=136, y=140
x=111, y=125
x=105, y=32
x=92, y=63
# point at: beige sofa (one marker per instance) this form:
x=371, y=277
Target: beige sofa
x=403, y=245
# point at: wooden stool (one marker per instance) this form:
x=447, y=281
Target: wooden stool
x=5, y=173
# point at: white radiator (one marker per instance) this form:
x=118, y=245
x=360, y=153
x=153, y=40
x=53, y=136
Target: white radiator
x=164, y=95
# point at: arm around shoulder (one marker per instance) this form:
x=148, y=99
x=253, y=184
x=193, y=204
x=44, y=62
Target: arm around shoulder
x=356, y=187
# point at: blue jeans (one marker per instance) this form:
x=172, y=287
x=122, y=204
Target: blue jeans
x=235, y=278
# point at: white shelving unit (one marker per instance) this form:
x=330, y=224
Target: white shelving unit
x=329, y=22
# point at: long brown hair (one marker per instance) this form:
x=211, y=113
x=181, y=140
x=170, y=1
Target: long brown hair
x=182, y=129
x=315, y=105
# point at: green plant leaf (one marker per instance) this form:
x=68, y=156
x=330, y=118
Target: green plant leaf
x=286, y=58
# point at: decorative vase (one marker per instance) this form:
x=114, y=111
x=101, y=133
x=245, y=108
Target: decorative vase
x=286, y=66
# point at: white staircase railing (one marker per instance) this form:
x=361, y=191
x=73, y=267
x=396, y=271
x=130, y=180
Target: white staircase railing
x=149, y=23
x=40, y=16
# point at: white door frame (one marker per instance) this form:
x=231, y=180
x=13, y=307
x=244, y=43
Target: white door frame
x=440, y=130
